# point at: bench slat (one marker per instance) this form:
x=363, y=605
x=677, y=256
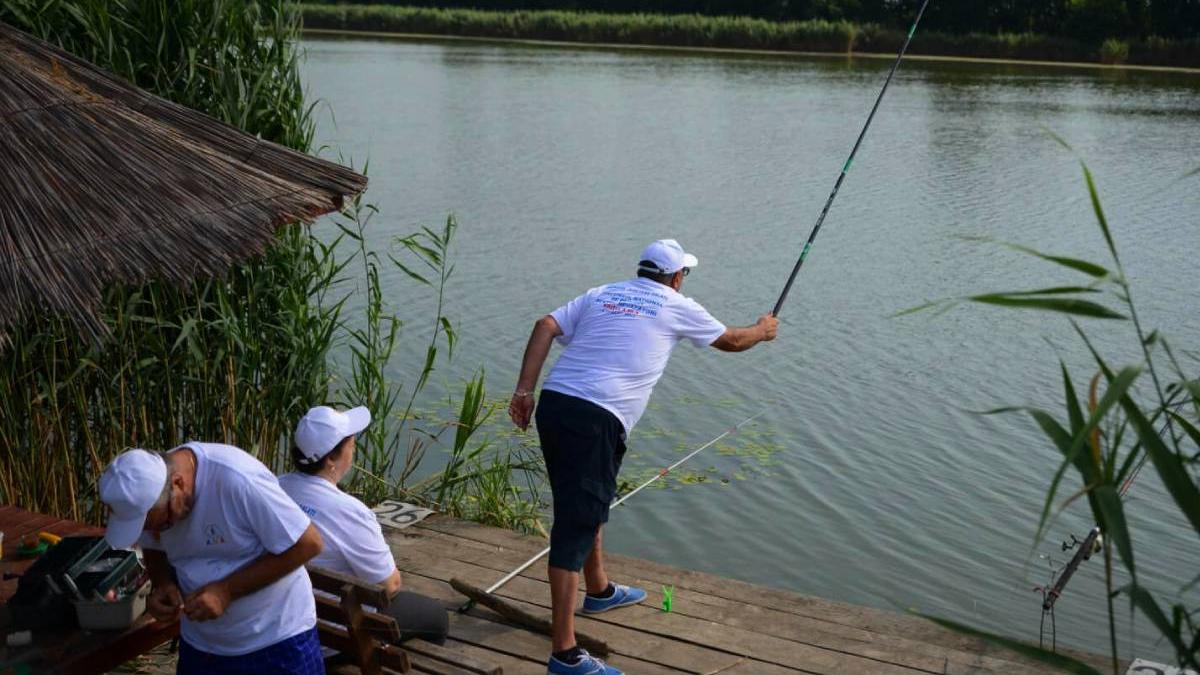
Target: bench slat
x=390, y=656
x=332, y=582
x=380, y=625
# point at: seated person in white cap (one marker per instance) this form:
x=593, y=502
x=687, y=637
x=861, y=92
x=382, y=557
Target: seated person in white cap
x=354, y=543
x=225, y=548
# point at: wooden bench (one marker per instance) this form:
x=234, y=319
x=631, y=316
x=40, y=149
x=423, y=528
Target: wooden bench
x=368, y=641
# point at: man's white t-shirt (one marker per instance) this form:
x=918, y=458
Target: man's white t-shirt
x=239, y=514
x=354, y=542
x=618, y=339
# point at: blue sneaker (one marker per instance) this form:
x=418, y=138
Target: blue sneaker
x=586, y=665
x=621, y=597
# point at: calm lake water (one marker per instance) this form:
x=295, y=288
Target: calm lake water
x=868, y=480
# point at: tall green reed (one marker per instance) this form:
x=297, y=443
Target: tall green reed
x=235, y=359
x=1108, y=434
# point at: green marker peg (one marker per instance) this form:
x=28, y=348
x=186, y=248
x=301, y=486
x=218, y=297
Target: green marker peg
x=667, y=591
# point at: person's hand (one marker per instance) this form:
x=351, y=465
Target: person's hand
x=769, y=325
x=208, y=603
x=520, y=409
x=164, y=602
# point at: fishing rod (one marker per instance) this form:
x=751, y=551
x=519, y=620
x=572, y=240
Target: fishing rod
x=1092, y=544
x=662, y=472
x=778, y=305
x=846, y=167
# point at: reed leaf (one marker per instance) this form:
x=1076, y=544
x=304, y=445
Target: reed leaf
x=1098, y=209
x=1022, y=300
x=1087, y=267
x=1149, y=606
x=1170, y=466
x=1111, y=518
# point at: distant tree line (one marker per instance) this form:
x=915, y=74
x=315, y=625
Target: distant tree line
x=1090, y=21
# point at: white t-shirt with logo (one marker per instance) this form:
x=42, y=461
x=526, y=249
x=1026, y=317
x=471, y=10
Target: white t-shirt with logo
x=354, y=542
x=618, y=339
x=239, y=514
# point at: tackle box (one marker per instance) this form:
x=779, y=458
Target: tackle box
x=77, y=568
x=112, y=614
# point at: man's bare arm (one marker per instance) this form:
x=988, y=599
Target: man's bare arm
x=745, y=337
x=520, y=409
x=211, y=601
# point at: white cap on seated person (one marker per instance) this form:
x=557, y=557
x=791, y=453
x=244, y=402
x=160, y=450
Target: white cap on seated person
x=131, y=486
x=322, y=428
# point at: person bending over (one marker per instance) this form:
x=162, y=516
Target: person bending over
x=617, y=340
x=225, y=549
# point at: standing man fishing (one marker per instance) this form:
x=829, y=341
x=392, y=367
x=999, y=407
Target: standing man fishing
x=617, y=341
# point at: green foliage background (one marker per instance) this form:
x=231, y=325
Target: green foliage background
x=1091, y=21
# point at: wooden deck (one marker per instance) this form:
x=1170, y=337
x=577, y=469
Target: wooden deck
x=716, y=625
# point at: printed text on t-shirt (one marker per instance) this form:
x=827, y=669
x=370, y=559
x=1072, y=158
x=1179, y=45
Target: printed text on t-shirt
x=631, y=301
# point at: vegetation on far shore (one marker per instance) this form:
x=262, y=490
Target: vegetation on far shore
x=740, y=32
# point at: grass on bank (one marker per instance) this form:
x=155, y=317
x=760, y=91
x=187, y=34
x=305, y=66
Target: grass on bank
x=693, y=30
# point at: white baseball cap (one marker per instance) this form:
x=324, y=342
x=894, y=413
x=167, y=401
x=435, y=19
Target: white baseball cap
x=668, y=257
x=322, y=428
x=130, y=486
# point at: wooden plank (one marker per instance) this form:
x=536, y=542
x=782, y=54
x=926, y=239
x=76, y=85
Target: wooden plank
x=905, y=633
x=332, y=582
x=102, y=652
x=644, y=624
x=486, y=630
x=432, y=652
x=364, y=646
x=10, y=515
x=628, y=640
x=540, y=623
x=509, y=665
x=787, y=626
x=25, y=527
x=381, y=626
x=423, y=664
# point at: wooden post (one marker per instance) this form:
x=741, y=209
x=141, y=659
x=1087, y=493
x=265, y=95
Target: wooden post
x=360, y=636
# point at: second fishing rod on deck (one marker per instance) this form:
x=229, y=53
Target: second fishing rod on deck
x=661, y=473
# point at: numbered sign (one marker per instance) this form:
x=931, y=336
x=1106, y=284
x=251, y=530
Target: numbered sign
x=398, y=515
x=1144, y=667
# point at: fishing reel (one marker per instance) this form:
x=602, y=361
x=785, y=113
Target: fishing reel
x=1095, y=546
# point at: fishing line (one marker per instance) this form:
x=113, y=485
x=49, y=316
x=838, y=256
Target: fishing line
x=849, y=160
x=661, y=473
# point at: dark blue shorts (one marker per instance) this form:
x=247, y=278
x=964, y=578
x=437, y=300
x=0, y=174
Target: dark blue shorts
x=297, y=655
x=583, y=445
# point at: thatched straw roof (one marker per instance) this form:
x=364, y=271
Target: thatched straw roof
x=102, y=182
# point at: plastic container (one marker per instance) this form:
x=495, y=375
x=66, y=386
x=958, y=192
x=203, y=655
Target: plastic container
x=116, y=615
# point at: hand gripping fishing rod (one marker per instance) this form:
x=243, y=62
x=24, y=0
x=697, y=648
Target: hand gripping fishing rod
x=662, y=472
x=846, y=167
